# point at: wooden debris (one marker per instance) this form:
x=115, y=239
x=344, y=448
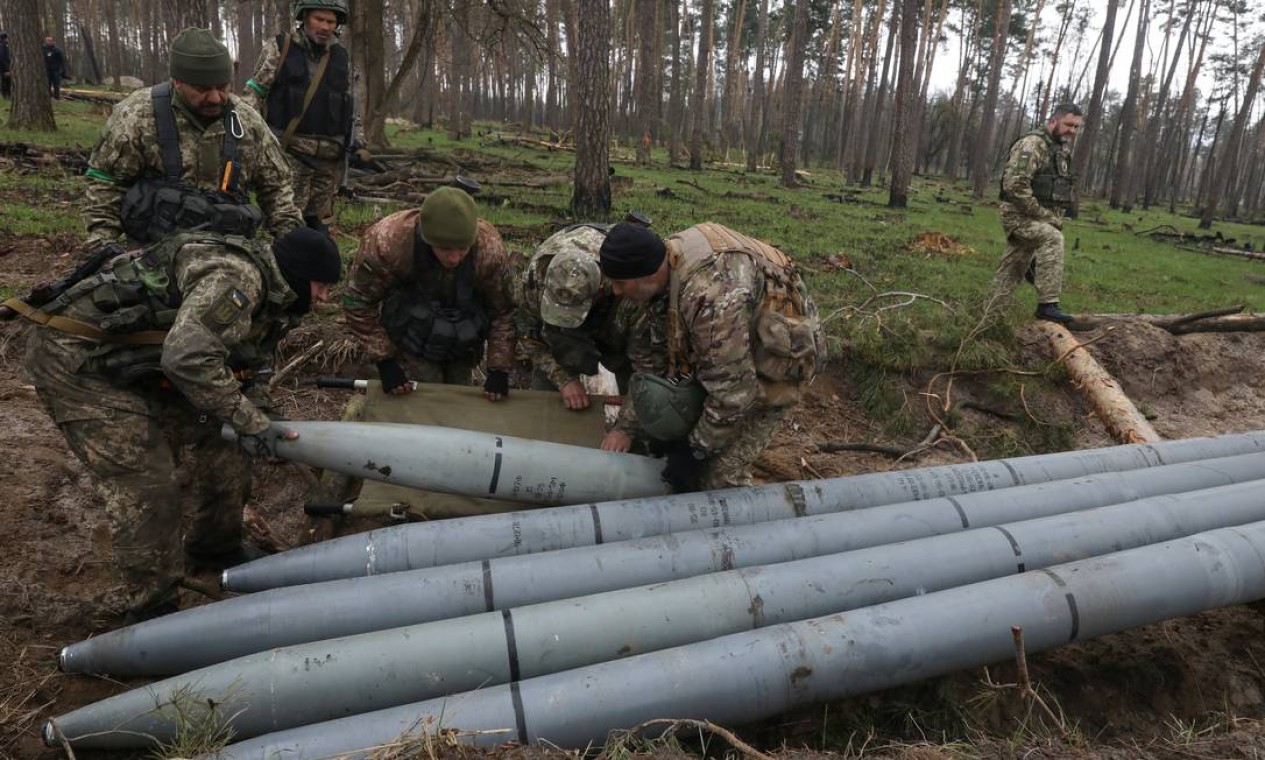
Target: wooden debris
x=1228, y=319
x=1123, y=420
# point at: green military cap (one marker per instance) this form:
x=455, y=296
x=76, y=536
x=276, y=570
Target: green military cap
x=198, y=58
x=572, y=282
x=448, y=219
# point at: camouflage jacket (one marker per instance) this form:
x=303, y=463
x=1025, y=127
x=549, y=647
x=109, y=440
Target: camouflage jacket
x=623, y=319
x=127, y=150
x=256, y=92
x=720, y=295
x=1029, y=155
x=385, y=262
x=222, y=316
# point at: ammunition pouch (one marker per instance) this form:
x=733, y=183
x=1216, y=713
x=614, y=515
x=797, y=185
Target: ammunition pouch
x=1052, y=190
x=434, y=333
x=667, y=410
x=154, y=209
x=125, y=367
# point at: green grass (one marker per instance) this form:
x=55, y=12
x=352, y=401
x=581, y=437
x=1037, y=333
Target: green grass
x=895, y=319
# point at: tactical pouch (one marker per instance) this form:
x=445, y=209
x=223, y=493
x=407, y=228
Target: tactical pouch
x=452, y=337
x=125, y=366
x=787, y=352
x=117, y=290
x=126, y=320
x=154, y=209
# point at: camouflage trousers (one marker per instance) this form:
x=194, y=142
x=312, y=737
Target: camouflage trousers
x=153, y=457
x=1027, y=242
x=732, y=467
x=315, y=182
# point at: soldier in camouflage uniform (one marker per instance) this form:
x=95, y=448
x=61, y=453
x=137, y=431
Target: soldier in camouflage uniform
x=129, y=148
x=569, y=320
x=141, y=364
x=741, y=334
x=426, y=292
x=320, y=131
x=1036, y=190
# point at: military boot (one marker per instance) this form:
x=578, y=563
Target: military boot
x=196, y=562
x=1051, y=312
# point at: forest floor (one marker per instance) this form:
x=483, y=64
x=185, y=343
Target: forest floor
x=1192, y=687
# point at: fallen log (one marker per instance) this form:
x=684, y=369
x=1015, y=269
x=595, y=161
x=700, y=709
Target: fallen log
x=1228, y=319
x=1123, y=420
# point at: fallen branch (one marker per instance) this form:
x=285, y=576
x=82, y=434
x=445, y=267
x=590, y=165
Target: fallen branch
x=703, y=725
x=1225, y=319
x=295, y=363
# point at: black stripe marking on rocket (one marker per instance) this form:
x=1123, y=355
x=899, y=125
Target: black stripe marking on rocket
x=496, y=467
x=1018, y=480
x=511, y=646
x=487, y=586
x=597, y=524
x=1014, y=546
x=1071, y=605
x=961, y=512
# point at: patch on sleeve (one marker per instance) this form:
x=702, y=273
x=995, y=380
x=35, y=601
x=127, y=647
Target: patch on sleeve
x=1025, y=158
x=229, y=307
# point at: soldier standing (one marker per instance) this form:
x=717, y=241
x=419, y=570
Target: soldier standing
x=1036, y=190
x=569, y=321
x=427, y=292
x=742, y=339
x=54, y=66
x=303, y=86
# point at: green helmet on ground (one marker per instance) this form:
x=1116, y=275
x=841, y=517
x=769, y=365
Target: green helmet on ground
x=667, y=410
x=338, y=7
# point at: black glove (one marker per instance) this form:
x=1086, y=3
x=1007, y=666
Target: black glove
x=261, y=445
x=685, y=465
x=391, y=374
x=498, y=381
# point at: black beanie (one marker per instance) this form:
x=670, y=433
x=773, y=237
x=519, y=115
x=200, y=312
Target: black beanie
x=630, y=252
x=305, y=255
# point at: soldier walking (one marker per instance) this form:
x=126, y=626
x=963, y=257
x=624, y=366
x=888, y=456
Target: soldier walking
x=54, y=66
x=1036, y=190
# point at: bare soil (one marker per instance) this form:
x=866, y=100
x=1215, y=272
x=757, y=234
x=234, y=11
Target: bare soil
x=1192, y=687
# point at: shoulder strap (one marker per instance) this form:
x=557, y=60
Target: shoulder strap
x=678, y=366
x=84, y=329
x=312, y=87
x=168, y=136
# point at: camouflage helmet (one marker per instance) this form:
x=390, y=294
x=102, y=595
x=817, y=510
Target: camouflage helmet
x=572, y=282
x=667, y=410
x=339, y=7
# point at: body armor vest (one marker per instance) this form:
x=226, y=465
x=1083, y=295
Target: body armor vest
x=330, y=112
x=139, y=294
x=154, y=209
x=1052, y=182
x=427, y=322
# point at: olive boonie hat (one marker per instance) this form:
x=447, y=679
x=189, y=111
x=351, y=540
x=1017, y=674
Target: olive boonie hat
x=572, y=282
x=198, y=58
x=448, y=219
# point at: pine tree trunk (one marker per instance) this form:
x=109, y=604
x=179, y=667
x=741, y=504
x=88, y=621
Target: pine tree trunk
x=756, y=98
x=1120, y=193
x=32, y=103
x=1150, y=144
x=649, y=29
x=591, y=101
x=981, y=164
x=793, y=106
x=877, y=118
x=676, y=98
x=903, y=146
x=1229, y=161
x=113, y=44
x=1093, y=116
x=698, y=101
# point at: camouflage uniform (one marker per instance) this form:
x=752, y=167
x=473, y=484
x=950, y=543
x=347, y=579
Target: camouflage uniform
x=134, y=436
x=127, y=150
x=316, y=161
x=1034, y=230
x=722, y=294
x=613, y=321
x=385, y=263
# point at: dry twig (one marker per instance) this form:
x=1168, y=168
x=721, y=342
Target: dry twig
x=675, y=724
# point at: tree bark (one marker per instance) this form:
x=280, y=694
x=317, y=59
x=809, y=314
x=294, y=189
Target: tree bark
x=755, y=114
x=1228, y=162
x=982, y=158
x=903, y=145
x=793, y=106
x=698, y=101
x=647, y=76
x=676, y=99
x=1121, y=195
x=592, y=198
x=32, y=103
x=1093, y=116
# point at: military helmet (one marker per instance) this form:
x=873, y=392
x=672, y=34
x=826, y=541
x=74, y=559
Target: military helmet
x=572, y=282
x=339, y=7
x=667, y=410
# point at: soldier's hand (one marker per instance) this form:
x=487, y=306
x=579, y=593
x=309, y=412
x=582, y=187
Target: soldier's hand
x=616, y=440
x=263, y=445
x=574, y=396
x=364, y=156
x=394, y=381
x=684, y=468
x=497, y=385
